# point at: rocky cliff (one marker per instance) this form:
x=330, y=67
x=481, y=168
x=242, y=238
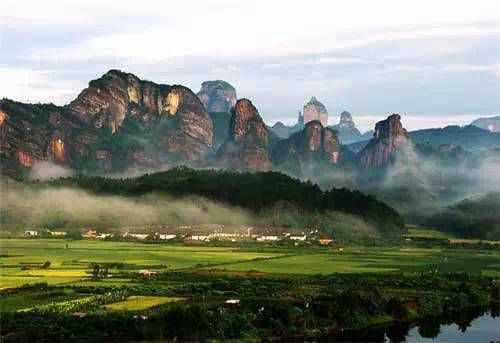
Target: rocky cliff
x=217, y=96
x=389, y=138
x=247, y=147
x=119, y=121
x=315, y=110
x=302, y=151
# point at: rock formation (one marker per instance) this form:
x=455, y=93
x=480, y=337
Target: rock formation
x=248, y=141
x=315, y=110
x=217, y=96
x=305, y=150
x=389, y=138
x=118, y=121
x=346, y=120
x=346, y=129
x=108, y=100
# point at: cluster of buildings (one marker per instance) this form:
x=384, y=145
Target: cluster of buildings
x=193, y=234
x=36, y=233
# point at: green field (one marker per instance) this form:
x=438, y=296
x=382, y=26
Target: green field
x=70, y=261
x=137, y=303
x=153, y=291
x=421, y=232
x=21, y=259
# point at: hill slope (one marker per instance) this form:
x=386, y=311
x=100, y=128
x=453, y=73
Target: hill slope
x=254, y=191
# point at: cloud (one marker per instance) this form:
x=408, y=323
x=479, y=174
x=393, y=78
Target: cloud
x=465, y=68
x=367, y=57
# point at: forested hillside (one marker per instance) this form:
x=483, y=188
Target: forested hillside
x=253, y=191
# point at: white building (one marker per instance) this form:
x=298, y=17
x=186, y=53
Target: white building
x=267, y=238
x=104, y=235
x=199, y=237
x=141, y=236
x=166, y=236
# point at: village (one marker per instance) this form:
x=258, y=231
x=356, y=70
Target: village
x=190, y=234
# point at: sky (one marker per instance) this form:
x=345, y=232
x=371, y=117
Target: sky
x=434, y=62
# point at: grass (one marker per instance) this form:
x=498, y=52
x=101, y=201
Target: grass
x=21, y=260
x=422, y=232
x=70, y=259
x=377, y=260
x=25, y=300
x=138, y=303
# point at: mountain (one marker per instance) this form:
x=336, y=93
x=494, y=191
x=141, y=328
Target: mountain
x=491, y=124
x=247, y=146
x=221, y=122
x=389, y=138
x=283, y=131
x=476, y=217
x=303, y=150
x=263, y=193
x=346, y=129
x=471, y=138
x=315, y=110
x=118, y=122
x=217, y=96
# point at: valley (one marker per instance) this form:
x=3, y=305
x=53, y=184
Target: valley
x=90, y=281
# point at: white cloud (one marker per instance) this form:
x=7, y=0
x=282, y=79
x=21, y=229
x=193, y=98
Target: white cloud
x=465, y=68
x=32, y=86
x=356, y=53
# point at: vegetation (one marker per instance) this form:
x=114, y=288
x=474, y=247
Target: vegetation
x=254, y=191
x=472, y=218
x=239, y=293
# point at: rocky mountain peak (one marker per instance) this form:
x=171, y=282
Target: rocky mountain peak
x=247, y=146
x=307, y=149
x=315, y=110
x=152, y=124
x=346, y=120
x=217, y=96
x=246, y=123
x=388, y=138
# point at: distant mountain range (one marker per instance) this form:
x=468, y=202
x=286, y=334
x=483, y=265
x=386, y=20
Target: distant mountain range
x=491, y=124
x=469, y=137
x=122, y=123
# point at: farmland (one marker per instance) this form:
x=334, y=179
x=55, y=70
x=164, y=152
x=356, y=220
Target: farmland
x=70, y=261
x=48, y=281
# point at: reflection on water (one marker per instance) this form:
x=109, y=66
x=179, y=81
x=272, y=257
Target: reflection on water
x=468, y=326
x=483, y=329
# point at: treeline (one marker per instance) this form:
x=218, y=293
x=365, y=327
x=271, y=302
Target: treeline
x=252, y=191
x=477, y=218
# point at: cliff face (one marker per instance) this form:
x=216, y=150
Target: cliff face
x=119, y=121
x=315, y=110
x=217, y=96
x=389, y=138
x=313, y=146
x=34, y=133
x=110, y=99
x=248, y=141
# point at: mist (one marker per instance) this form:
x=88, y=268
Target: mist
x=45, y=170
x=40, y=206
